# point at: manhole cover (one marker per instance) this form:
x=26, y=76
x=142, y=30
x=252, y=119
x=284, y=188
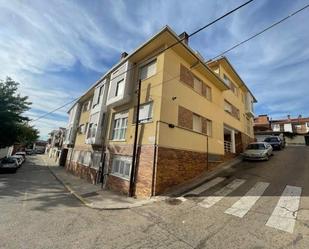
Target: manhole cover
x=173, y=201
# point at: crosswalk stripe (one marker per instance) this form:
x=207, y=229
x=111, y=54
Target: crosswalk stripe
x=245, y=203
x=211, y=200
x=206, y=186
x=285, y=213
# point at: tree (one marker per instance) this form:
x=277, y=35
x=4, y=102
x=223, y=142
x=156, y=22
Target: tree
x=13, y=125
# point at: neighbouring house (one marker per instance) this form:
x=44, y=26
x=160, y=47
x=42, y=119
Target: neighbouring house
x=55, y=142
x=39, y=145
x=295, y=130
x=193, y=115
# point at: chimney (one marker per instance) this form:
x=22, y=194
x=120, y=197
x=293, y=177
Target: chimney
x=123, y=55
x=184, y=37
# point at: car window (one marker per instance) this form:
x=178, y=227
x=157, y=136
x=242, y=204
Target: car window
x=8, y=160
x=256, y=147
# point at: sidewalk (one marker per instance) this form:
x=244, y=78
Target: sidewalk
x=92, y=195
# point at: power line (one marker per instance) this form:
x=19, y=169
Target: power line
x=259, y=33
x=58, y=108
x=161, y=51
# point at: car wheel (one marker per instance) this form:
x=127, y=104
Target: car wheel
x=266, y=158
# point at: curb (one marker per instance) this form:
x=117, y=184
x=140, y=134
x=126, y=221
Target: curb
x=90, y=204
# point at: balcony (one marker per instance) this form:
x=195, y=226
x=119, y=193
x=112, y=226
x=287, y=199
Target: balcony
x=120, y=89
x=249, y=105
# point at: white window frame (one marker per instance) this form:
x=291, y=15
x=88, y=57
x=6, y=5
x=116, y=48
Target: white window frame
x=197, y=85
x=209, y=128
x=120, y=125
x=148, y=69
x=149, y=113
x=119, y=88
x=124, y=163
x=197, y=123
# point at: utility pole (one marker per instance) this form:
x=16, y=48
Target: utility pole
x=134, y=156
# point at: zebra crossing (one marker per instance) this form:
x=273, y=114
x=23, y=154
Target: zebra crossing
x=284, y=214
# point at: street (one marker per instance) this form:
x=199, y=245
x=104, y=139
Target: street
x=37, y=212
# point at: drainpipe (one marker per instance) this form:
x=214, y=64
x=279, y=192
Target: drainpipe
x=134, y=156
x=154, y=161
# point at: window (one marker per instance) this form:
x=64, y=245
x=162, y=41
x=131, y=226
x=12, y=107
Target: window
x=145, y=113
x=209, y=128
x=197, y=123
x=197, y=85
x=92, y=130
x=121, y=166
x=208, y=92
x=308, y=125
x=148, y=70
x=227, y=107
x=230, y=84
x=120, y=126
x=97, y=94
x=119, y=88
x=96, y=159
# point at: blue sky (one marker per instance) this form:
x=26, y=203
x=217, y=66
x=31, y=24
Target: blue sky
x=57, y=49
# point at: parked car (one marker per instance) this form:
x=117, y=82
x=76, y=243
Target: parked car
x=21, y=153
x=258, y=151
x=9, y=164
x=29, y=151
x=19, y=158
x=275, y=142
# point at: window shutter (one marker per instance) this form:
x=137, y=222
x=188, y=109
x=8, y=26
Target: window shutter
x=185, y=118
x=186, y=76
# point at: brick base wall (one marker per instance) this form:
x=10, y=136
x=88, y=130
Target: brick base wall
x=144, y=170
x=84, y=172
x=176, y=167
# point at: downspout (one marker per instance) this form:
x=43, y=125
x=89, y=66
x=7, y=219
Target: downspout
x=134, y=156
x=154, y=165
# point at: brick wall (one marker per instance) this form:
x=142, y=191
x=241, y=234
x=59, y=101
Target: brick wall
x=143, y=171
x=176, y=167
x=84, y=172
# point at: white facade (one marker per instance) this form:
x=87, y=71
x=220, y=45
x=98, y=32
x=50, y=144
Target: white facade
x=98, y=114
x=249, y=104
x=120, y=88
x=288, y=127
x=72, y=126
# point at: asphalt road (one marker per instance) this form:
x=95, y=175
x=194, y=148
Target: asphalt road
x=37, y=212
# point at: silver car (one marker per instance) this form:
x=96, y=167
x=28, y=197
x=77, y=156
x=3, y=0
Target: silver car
x=258, y=151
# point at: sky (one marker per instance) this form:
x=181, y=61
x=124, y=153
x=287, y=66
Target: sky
x=57, y=49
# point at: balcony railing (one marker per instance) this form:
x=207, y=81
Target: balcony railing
x=227, y=146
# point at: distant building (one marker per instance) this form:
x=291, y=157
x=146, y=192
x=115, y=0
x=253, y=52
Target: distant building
x=55, y=142
x=295, y=130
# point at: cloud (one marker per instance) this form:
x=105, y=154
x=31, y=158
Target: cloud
x=57, y=49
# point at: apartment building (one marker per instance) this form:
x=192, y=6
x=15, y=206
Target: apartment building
x=193, y=115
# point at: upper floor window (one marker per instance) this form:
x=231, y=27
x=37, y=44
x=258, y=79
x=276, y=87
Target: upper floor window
x=120, y=126
x=86, y=105
x=148, y=70
x=231, y=85
x=97, y=94
x=119, y=88
x=197, y=123
x=197, y=85
x=229, y=108
x=145, y=113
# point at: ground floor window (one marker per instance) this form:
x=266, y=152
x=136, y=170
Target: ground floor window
x=121, y=166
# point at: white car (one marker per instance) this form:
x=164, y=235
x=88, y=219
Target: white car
x=9, y=164
x=258, y=151
x=21, y=153
x=19, y=158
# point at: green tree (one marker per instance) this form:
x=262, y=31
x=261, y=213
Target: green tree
x=13, y=125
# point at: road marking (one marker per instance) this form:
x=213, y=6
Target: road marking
x=242, y=206
x=211, y=200
x=285, y=213
x=205, y=186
